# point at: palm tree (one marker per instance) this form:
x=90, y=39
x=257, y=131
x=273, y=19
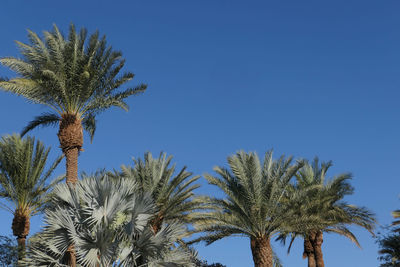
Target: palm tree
x=323, y=201
x=172, y=193
x=76, y=77
x=23, y=181
x=254, y=204
x=108, y=223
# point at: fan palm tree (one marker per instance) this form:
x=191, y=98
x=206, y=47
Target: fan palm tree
x=108, y=223
x=172, y=193
x=76, y=77
x=323, y=200
x=254, y=204
x=23, y=181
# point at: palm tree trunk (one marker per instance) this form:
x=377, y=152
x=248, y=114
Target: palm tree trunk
x=21, y=227
x=71, y=156
x=262, y=251
x=309, y=251
x=317, y=244
x=70, y=136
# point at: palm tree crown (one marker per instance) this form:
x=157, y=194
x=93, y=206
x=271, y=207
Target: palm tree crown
x=172, y=193
x=77, y=77
x=323, y=202
x=23, y=180
x=255, y=205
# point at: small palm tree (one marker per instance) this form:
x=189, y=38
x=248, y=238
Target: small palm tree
x=76, y=77
x=256, y=203
x=172, y=193
x=23, y=181
x=323, y=201
x=108, y=223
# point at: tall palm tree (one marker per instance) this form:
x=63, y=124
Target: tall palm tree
x=76, y=77
x=323, y=200
x=172, y=193
x=254, y=204
x=108, y=223
x=23, y=181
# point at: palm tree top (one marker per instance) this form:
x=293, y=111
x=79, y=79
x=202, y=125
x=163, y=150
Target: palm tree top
x=323, y=201
x=75, y=75
x=172, y=191
x=22, y=175
x=254, y=192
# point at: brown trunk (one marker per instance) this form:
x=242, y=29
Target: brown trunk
x=70, y=136
x=71, y=157
x=309, y=251
x=262, y=251
x=157, y=223
x=70, y=256
x=20, y=227
x=317, y=244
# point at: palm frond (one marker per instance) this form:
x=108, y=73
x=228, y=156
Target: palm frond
x=46, y=119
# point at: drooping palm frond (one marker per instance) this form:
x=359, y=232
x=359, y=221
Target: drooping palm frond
x=108, y=224
x=46, y=119
x=72, y=74
x=23, y=179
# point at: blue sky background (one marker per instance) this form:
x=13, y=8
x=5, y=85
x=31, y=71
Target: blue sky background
x=306, y=78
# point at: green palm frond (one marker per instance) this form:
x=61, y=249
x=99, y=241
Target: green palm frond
x=255, y=194
x=77, y=74
x=172, y=193
x=46, y=119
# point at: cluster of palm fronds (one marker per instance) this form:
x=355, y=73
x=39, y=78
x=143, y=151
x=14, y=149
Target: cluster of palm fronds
x=140, y=215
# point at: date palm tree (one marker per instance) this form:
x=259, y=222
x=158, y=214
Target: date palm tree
x=256, y=203
x=76, y=77
x=108, y=223
x=23, y=181
x=172, y=193
x=323, y=200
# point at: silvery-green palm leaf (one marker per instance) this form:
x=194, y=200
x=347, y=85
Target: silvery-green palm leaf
x=172, y=193
x=106, y=221
x=255, y=205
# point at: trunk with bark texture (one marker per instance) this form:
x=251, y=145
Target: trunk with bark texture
x=309, y=251
x=317, y=244
x=157, y=223
x=70, y=136
x=262, y=251
x=69, y=257
x=21, y=227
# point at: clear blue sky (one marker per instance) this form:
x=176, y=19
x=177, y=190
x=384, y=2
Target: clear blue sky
x=303, y=77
